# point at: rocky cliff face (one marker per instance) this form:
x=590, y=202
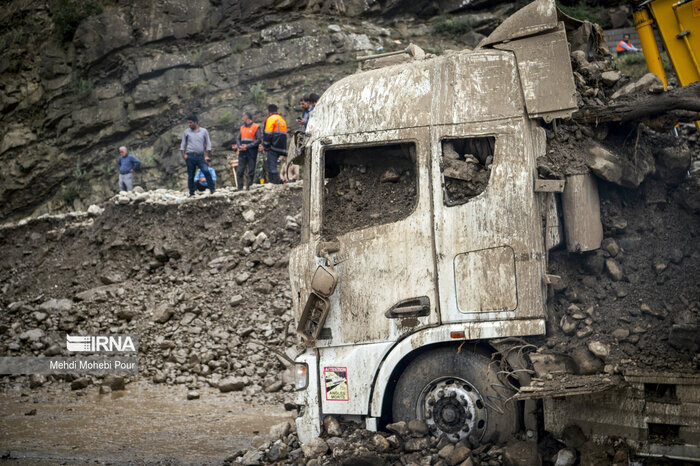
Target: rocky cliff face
x=131, y=71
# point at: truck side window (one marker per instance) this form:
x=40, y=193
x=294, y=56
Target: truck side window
x=466, y=167
x=367, y=186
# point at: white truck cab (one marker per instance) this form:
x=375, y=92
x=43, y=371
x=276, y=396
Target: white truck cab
x=423, y=235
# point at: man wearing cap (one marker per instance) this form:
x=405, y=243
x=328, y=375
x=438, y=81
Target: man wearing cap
x=196, y=150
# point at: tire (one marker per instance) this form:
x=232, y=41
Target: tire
x=457, y=394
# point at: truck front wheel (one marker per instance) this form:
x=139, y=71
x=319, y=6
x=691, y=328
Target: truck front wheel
x=458, y=394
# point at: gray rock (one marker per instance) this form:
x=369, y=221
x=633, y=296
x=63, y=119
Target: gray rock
x=94, y=210
x=521, y=454
x=39, y=316
x=380, y=443
x=599, y=349
x=417, y=427
x=278, y=451
x=109, y=278
x=242, y=277
x=614, y=269
x=280, y=430
x=459, y=453
x=565, y=457
x=611, y=246
x=192, y=395
x=332, y=426
x=585, y=363
x=314, y=448
x=248, y=238
x=57, y=305
x=249, y=215
x=416, y=444
x=610, y=78
x=648, y=82
x=399, y=428
x=32, y=335
x=620, y=334
x=236, y=300
x=568, y=325
x=162, y=313
x=231, y=384
x=80, y=383
x=115, y=382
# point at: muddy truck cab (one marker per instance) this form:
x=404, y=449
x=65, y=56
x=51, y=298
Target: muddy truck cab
x=426, y=230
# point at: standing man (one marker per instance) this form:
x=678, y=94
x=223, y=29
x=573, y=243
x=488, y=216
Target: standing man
x=274, y=142
x=249, y=138
x=625, y=46
x=128, y=164
x=196, y=150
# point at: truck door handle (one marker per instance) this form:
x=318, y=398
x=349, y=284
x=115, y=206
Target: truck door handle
x=414, y=307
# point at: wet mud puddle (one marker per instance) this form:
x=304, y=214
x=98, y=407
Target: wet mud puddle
x=144, y=423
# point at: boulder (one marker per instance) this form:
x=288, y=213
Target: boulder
x=314, y=448
x=647, y=83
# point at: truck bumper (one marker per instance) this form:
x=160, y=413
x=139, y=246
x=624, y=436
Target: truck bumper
x=308, y=422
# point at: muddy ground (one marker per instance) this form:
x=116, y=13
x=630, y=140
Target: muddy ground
x=144, y=423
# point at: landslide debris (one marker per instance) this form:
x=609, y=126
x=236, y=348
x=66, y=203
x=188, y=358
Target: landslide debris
x=202, y=282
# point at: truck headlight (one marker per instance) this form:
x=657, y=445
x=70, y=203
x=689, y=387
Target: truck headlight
x=301, y=376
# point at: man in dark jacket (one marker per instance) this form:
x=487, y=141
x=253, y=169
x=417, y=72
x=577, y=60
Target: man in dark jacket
x=128, y=164
x=249, y=138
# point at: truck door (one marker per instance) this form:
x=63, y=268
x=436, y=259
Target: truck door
x=487, y=228
x=376, y=208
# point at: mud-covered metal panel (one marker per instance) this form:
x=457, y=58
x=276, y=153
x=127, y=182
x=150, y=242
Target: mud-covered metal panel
x=537, y=17
x=485, y=280
x=460, y=87
x=345, y=377
x=382, y=265
x=545, y=74
x=506, y=213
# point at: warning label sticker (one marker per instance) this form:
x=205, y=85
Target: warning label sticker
x=336, y=379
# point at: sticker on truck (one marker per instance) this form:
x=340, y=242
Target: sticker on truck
x=336, y=380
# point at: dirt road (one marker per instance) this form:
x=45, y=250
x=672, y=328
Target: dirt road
x=144, y=423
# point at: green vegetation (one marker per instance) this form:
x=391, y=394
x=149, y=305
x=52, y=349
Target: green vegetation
x=226, y=118
x=452, y=27
x=69, y=192
x=78, y=173
x=588, y=13
x=68, y=14
x=238, y=48
x=82, y=85
x=634, y=64
x=257, y=93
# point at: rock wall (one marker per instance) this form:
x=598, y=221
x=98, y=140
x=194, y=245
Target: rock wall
x=132, y=73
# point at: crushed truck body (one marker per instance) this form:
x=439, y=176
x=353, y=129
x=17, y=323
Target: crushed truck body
x=426, y=230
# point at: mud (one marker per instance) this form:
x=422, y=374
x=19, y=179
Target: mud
x=367, y=187
x=656, y=301
x=145, y=422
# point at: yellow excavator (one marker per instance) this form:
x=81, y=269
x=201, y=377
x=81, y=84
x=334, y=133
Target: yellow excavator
x=678, y=24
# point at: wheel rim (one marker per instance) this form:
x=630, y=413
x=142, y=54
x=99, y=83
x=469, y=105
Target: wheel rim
x=454, y=407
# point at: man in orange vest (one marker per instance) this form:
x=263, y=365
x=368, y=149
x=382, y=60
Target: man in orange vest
x=247, y=144
x=274, y=142
x=625, y=45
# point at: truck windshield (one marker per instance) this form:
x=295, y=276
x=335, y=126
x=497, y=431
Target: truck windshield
x=367, y=186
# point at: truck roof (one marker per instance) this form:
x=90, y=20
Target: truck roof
x=459, y=87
